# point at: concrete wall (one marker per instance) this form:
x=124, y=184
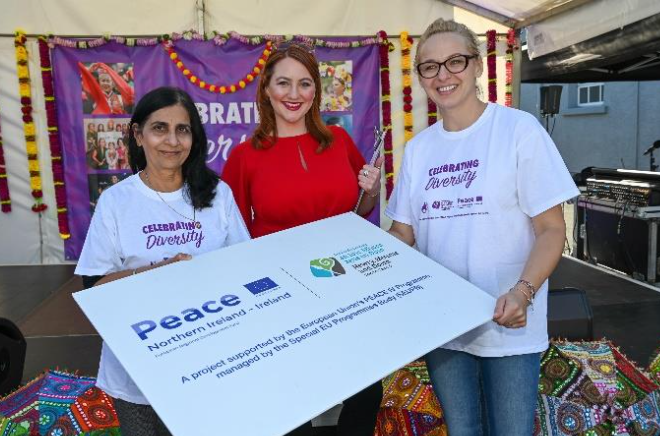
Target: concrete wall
x=613, y=135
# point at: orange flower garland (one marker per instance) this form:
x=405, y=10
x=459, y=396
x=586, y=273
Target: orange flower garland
x=5, y=199
x=406, y=67
x=221, y=89
x=28, y=123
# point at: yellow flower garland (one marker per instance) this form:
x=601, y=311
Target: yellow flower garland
x=406, y=68
x=29, y=129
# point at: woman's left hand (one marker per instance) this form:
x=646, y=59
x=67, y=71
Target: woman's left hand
x=511, y=310
x=369, y=178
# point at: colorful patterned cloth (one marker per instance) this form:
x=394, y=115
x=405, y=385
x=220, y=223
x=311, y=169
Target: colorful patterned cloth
x=58, y=404
x=654, y=367
x=590, y=388
x=409, y=406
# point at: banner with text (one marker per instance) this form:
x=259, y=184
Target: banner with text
x=288, y=331
x=97, y=89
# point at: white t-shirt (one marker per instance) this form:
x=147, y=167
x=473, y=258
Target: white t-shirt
x=469, y=196
x=132, y=227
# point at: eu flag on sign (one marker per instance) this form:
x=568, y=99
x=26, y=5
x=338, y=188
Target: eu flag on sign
x=261, y=285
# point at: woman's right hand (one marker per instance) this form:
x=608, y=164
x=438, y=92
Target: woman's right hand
x=179, y=257
x=131, y=272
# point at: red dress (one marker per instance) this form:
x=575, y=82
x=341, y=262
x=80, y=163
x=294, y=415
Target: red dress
x=275, y=192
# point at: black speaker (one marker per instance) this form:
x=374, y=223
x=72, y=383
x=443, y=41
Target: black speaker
x=12, y=356
x=580, y=178
x=550, y=98
x=569, y=315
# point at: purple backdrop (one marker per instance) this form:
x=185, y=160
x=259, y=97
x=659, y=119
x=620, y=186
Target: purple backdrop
x=228, y=118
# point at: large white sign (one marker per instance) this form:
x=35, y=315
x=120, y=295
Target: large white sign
x=258, y=338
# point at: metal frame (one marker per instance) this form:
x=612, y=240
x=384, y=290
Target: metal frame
x=534, y=16
x=649, y=214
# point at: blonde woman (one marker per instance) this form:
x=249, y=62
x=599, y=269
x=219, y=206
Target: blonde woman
x=480, y=192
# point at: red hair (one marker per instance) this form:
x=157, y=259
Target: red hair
x=266, y=131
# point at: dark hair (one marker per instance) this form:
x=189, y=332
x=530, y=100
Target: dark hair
x=267, y=126
x=199, y=181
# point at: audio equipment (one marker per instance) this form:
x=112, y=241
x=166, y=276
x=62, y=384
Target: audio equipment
x=12, y=356
x=550, y=98
x=626, y=187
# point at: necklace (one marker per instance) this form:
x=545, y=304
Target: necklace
x=197, y=224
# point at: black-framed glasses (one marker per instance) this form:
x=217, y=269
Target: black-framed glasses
x=455, y=64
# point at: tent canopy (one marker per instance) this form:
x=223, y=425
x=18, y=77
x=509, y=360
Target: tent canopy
x=630, y=53
x=581, y=40
x=517, y=13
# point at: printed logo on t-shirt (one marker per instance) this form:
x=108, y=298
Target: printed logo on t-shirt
x=453, y=174
x=466, y=202
x=443, y=204
x=173, y=233
x=454, y=198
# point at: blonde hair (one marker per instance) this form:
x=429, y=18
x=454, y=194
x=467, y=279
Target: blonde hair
x=448, y=26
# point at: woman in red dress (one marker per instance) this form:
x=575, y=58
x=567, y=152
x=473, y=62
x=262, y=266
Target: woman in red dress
x=295, y=170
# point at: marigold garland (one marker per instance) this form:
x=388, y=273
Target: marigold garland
x=218, y=38
x=221, y=39
x=5, y=199
x=54, y=139
x=491, y=58
x=510, y=42
x=221, y=89
x=432, y=112
x=386, y=110
x=406, y=66
x=28, y=122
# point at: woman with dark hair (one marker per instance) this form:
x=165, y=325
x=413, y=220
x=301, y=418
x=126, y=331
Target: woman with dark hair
x=122, y=154
x=295, y=170
x=170, y=184
x=99, y=161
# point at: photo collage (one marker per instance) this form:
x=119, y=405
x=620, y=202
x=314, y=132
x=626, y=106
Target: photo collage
x=337, y=97
x=107, y=100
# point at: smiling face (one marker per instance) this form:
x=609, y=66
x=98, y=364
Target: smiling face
x=105, y=82
x=166, y=138
x=291, y=92
x=450, y=91
x=338, y=87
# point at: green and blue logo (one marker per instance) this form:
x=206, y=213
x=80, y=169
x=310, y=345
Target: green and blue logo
x=326, y=267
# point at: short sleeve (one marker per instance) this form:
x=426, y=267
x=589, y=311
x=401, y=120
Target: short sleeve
x=355, y=158
x=101, y=254
x=543, y=181
x=235, y=175
x=398, y=207
x=237, y=232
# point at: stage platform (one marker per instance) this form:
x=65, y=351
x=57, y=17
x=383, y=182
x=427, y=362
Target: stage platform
x=38, y=299
x=626, y=311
